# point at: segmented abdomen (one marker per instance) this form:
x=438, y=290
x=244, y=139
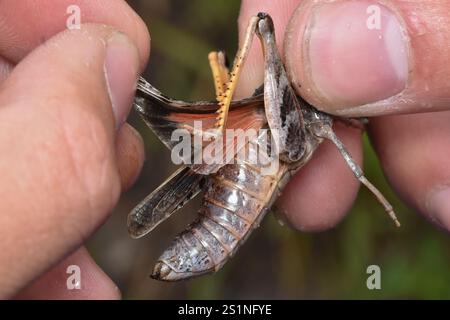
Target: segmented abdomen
x=236, y=199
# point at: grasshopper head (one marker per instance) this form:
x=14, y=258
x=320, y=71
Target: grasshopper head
x=265, y=24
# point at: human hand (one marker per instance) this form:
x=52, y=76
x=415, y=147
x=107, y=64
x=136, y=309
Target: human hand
x=66, y=153
x=342, y=66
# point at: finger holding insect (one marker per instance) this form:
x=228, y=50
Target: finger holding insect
x=96, y=284
x=395, y=64
x=60, y=153
x=370, y=57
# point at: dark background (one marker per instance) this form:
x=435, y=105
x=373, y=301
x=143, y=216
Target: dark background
x=276, y=262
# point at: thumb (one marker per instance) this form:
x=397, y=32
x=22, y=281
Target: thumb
x=59, y=112
x=368, y=57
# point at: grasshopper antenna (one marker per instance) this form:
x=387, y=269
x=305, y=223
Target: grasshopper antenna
x=325, y=131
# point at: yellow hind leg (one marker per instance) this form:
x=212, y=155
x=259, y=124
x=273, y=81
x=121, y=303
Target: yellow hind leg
x=225, y=89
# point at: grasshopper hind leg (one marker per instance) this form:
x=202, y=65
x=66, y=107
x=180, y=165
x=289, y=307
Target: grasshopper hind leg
x=220, y=73
x=229, y=87
x=325, y=131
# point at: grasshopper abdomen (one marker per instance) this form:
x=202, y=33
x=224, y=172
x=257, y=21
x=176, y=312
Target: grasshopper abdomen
x=235, y=201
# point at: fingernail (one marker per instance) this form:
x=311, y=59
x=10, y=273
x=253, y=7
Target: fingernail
x=358, y=52
x=121, y=69
x=438, y=206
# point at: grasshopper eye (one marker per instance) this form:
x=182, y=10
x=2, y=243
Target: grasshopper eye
x=265, y=24
x=262, y=15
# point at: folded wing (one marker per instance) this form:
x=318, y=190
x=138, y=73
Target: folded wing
x=164, y=115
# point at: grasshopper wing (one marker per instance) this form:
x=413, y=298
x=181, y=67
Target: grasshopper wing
x=164, y=115
x=172, y=195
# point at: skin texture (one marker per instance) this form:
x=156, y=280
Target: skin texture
x=57, y=135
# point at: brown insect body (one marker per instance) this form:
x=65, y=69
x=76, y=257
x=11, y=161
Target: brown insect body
x=235, y=200
x=237, y=195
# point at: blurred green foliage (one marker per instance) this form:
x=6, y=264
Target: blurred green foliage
x=276, y=262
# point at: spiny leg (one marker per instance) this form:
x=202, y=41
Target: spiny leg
x=325, y=131
x=220, y=72
x=230, y=86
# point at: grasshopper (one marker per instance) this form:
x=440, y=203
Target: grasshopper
x=236, y=195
